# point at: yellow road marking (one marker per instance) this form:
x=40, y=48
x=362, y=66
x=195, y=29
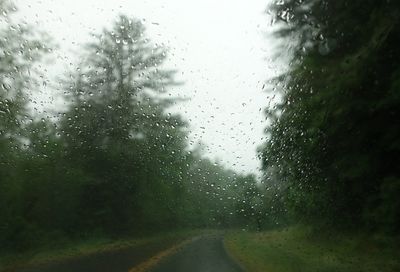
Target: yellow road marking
x=150, y=263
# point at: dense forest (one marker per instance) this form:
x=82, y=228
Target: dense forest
x=116, y=162
x=334, y=142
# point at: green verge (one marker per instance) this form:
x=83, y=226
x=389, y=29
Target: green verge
x=298, y=249
x=85, y=248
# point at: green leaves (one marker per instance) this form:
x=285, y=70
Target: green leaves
x=334, y=142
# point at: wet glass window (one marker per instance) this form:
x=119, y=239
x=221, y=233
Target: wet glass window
x=199, y=135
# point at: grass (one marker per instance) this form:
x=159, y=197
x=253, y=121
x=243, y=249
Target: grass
x=298, y=249
x=85, y=248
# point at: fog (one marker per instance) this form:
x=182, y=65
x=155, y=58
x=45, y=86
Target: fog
x=219, y=48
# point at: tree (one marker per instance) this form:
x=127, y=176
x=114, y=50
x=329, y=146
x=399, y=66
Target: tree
x=21, y=48
x=333, y=141
x=119, y=131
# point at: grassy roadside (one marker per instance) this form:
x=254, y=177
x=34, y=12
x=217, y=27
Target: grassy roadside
x=296, y=249
x=85, y=248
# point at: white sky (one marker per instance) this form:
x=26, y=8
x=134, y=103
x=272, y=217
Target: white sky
x=219, y=48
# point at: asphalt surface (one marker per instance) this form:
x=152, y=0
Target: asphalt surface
x=206, y=254
x=113, y=261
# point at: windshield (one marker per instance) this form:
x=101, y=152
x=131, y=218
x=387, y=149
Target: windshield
x=199, y=135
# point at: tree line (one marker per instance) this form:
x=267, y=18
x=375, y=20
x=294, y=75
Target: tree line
x=334, y=142
x=115, y=162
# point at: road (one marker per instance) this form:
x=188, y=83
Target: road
x=113, y=261
x=206, y=254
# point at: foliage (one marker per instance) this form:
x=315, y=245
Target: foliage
x=116, y=162
x=334, y=139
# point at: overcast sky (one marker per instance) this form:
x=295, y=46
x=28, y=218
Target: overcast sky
x=219, y=47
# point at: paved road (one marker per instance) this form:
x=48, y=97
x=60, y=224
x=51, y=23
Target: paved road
x=206, y=254
x=114, y=261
